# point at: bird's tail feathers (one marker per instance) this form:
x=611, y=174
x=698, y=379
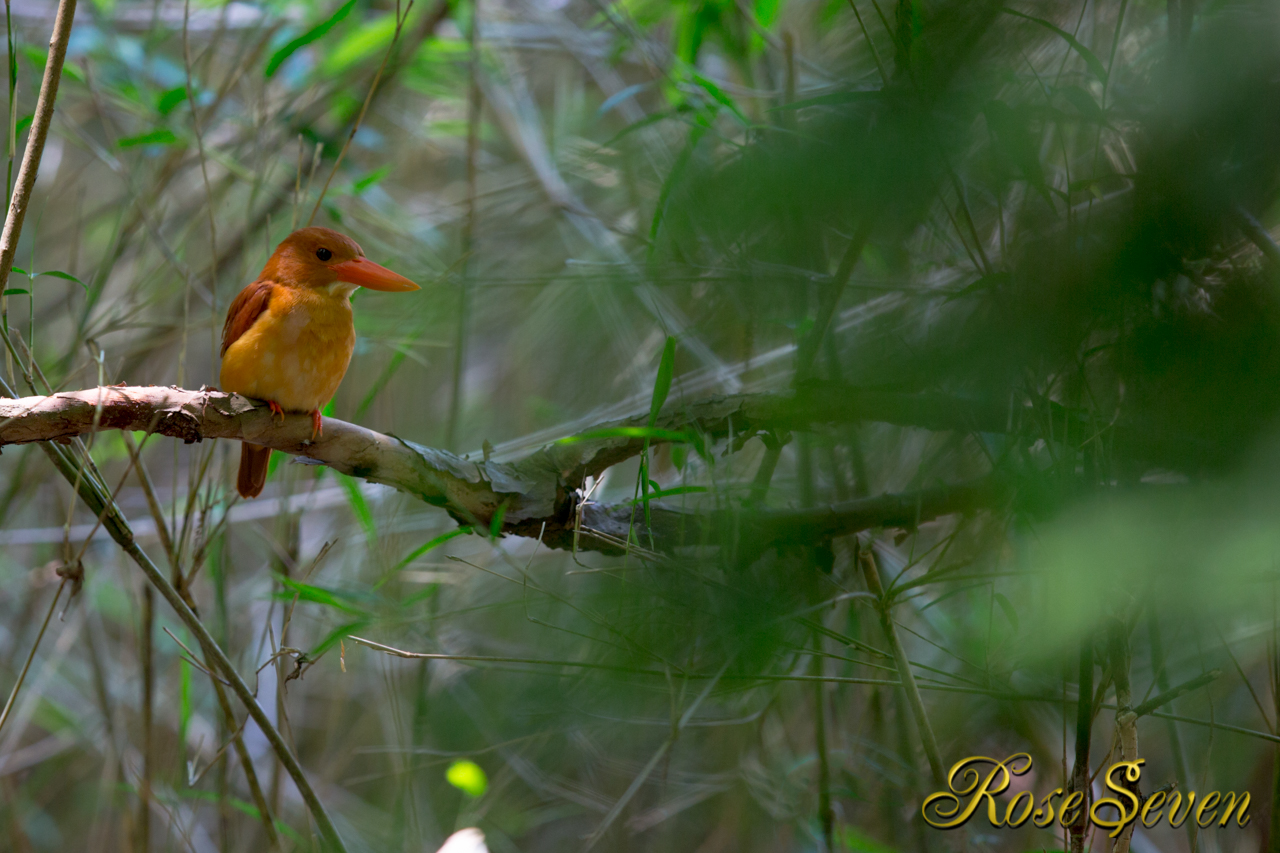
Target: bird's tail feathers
x=253, y=469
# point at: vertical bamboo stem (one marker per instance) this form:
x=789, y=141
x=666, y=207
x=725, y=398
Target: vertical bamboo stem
x=246, y=762
x=468, y=233
x=1126, y=720
x=871, y=571
x=826, y=818
x=35, y=142
x=1182, y=770
x=146, y=648
x=1084, y=728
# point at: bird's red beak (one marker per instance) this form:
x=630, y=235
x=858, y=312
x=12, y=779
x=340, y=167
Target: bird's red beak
x=366, y=273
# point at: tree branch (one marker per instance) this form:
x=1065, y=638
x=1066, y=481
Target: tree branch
x=538, y=493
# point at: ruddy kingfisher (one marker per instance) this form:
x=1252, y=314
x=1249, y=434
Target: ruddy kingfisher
x=289, y=335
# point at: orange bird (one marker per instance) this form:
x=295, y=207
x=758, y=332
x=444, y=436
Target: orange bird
x=289, y=336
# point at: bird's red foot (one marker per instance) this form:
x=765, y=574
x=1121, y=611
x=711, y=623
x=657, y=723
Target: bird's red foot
x=317, y=427
x=276, y=410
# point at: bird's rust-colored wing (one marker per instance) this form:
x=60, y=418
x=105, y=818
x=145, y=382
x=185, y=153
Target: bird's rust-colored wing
x=245, y=310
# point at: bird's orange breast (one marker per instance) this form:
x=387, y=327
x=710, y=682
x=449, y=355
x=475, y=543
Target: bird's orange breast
x=296, y=352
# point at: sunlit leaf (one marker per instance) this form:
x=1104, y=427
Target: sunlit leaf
x=468, y=777
x=363, y=42
x=629, y=432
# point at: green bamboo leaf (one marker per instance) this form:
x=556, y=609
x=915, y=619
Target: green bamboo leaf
x=667, y=493
x=337, y=635
x=639, y=125
x=168, y=101
x=15, y=291
x=159, y=136
x=65, y=276
x=366, y=40
x=239, y=805
x=359, y=505
x=767, y=11
x=1007, y=606
x=1095, y=65
x=720, y=97
x=662, y=385
x=1083, y=102
x=315, y=33
x=319, y=595
x=370, y=179
x=677, y=170
x=433, y=544
x=39, y=56
x=495, y=525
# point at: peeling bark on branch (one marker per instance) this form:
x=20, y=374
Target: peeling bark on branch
x=539, y=492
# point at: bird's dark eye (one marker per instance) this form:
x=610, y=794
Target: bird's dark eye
x=324, y=254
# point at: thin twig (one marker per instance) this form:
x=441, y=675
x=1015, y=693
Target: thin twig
x=618, y=806
x=204, y=173
x=22, y=674
x=826, y=817
x=373, y=87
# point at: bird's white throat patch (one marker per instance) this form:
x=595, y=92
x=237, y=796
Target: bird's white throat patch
x=342, y=288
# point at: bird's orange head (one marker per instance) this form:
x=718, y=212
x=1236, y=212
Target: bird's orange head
x=321, y=257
